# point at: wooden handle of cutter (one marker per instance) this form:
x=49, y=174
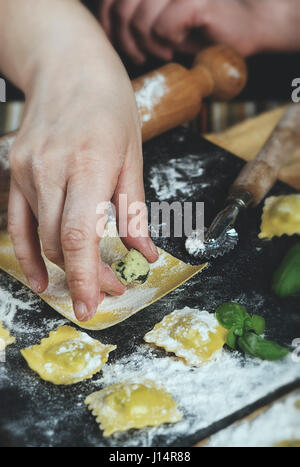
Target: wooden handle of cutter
x=169, y=96
x=258, y=176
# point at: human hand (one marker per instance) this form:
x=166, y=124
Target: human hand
x=162, y=27
x=130, y=24
x=79, y=145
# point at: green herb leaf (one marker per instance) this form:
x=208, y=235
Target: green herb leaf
x=286, y=279
x=231, y=314
x=231, y=339
x=238, y=331
x=258, y=347
x=256, y=323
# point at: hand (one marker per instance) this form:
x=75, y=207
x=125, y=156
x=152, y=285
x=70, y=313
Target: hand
x=130, y=23
x=79, y=144
x=162, y=27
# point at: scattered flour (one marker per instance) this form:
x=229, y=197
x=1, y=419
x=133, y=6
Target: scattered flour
x=13, y=308
x=133, y=298
x=150, y=94
x=176, y=178
x=281, y=422
x=205, y=394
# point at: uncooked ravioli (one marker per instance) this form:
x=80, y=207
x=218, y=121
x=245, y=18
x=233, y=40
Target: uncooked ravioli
x=127, y=405
x=281, y=215
x=193, y=335
x=67, y=356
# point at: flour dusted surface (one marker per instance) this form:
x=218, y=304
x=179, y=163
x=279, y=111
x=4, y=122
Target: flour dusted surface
x=204, y=395
x=281, y=422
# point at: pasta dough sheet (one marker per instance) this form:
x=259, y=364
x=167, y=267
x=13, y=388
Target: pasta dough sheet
x=166, y=274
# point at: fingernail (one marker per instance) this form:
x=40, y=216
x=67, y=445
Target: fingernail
x=81, y=311
x=93, y=311
x=35, y=285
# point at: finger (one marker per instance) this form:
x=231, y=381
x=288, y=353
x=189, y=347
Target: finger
x=123, y=13
x=109, y=281
x=23, y=231
x=105, y=16
x=102, y=297
x=80, y=241
x=143, y=20
x=178, y=18
x=50, y=209
x=132, y=220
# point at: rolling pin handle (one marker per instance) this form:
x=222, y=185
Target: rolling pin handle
x=222, y=72
x=259, y=175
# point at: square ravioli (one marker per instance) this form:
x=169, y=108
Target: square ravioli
x=281, y=215
x=193, y=335
x=5, y=337
x=67, y=356
x=127, y=405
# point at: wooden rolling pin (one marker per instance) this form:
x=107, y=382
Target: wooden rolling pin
x=168, y=97
x=259, y=175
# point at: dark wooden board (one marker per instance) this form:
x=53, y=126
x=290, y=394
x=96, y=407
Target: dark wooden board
x=24, y=415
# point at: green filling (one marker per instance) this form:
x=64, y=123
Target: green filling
x=132, y=268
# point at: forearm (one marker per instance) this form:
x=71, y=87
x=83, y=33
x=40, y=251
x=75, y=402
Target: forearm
x=41, y=35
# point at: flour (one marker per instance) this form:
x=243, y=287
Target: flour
x=11, y=305
x=132, y=298
x=160, y=262
x=281, y=422
x=204, y=394
x=176, y=178
x=14, y=309
x=179, y=328
x=150, y=94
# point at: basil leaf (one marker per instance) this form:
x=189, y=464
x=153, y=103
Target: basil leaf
x=231, y=314
x=286, y=279
x=256, y=323
x=258, y=347
x=231, y=339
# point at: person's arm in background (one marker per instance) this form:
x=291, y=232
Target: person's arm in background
x=79, y=144
x=162, y=27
